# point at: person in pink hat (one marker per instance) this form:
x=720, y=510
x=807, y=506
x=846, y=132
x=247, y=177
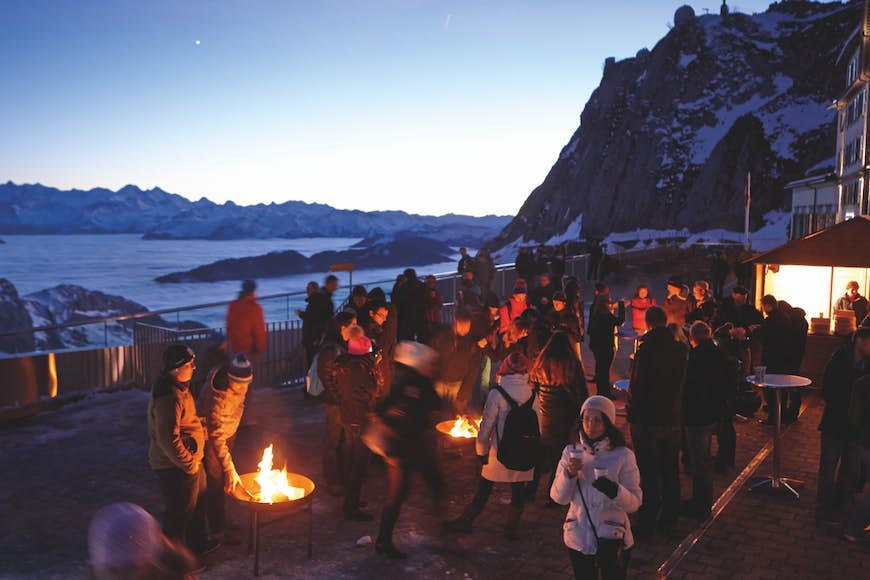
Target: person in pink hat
x=359, y=381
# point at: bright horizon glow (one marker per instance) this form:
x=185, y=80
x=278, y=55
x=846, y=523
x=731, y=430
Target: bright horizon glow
x=432, y=108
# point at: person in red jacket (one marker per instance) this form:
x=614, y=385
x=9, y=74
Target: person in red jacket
x=246, y=325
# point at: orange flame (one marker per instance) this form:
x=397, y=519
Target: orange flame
x=273, y=483
x=464, y=428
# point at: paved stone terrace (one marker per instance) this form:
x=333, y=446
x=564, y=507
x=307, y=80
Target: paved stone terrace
x=57, y=469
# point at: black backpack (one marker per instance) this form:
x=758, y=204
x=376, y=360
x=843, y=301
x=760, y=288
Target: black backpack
x=518, y=445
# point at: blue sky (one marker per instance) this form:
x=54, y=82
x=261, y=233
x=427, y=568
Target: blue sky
x=425, y=106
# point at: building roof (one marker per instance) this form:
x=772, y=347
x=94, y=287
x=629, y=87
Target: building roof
x=846, y=245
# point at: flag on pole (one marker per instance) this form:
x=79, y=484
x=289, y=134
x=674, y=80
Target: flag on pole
x=747, y=199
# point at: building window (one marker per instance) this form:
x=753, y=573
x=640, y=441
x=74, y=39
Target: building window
x=852, y=152
x=850, y=193
x=855, y=109
x=852, y=70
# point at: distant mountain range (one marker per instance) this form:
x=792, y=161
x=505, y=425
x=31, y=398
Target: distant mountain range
x=156, y=214
x=668, y=137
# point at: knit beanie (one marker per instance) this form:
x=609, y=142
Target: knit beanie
x=240, y=370
x=602, y=404
x=359, y=345
x=515, y=364
x=124, y=534
x=176, y=355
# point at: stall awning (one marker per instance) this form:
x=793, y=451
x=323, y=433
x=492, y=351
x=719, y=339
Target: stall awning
x=845, y=245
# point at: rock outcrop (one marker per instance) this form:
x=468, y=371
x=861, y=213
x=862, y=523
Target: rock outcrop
x=375, y=252
x=667, y=139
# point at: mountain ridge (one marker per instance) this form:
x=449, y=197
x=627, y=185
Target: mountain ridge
x=157, y=214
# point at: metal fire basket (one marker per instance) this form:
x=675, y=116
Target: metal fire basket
x=281, y=509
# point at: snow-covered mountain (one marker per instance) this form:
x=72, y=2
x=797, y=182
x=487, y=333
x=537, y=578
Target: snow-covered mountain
x=60, y=305
x=666, y=140
x=34, y=208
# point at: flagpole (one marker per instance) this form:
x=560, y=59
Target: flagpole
x=746, y=201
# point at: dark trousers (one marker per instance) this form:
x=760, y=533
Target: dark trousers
x=612, y=563
x=837, y=485
x=484, y=489
x=657, y=450
x=355, y=459
x=859, y=519
x=184, y=516
x=698, y=440
x=603, y=361
x=726, y=437
x=548, y=461
x=332, y=446
x=214, y=495
x=419, y=458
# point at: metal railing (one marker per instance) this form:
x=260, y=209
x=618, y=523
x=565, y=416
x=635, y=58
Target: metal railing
x=29, y=377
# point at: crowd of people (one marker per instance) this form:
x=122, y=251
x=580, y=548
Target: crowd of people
x=387, y=369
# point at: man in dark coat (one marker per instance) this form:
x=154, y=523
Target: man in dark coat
x=737, y=310
x=602, y=324
x=711, y=382
x=318, y=313
x=775, y=336
x=852, y=300
x=542, y=296
x=411, y=304
x=525, y=265
x=459, y=359
x=846, y=366
x=654, y=413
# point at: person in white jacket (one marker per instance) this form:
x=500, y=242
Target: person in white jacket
x=513, y=378
x=598, y=477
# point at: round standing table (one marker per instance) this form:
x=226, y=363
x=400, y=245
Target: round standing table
x=778, y=383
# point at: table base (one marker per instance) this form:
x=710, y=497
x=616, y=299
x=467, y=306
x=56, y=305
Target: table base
x=778, y=485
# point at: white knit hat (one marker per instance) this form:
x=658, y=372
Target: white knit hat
x=602, y=404
x=416, y=355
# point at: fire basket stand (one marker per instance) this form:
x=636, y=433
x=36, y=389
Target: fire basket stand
x=281, y=509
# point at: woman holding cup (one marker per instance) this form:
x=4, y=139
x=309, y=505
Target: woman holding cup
x=598, y=478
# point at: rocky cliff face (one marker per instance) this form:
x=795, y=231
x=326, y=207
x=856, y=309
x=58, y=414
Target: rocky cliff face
x=668, y=137
x=60, y=305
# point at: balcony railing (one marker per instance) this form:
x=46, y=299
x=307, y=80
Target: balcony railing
x=31, y=376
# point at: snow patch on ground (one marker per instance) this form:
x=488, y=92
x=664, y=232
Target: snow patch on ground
x=774, y=233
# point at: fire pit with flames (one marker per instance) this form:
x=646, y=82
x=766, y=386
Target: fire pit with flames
x=273, y=491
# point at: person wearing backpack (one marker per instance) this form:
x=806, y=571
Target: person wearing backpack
x=598, y=478
x=507, y=444
x=323, y=381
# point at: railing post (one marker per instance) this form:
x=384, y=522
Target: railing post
x=105, y=334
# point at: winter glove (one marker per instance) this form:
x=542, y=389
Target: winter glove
x=484, y=459
x=606, y=486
